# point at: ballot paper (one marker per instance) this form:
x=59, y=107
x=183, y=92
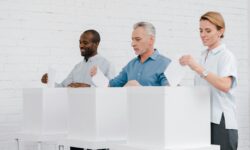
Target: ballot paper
x=51, y=76
x=100, y=80
x=175, y=72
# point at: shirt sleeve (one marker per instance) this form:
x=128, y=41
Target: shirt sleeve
x=162, y=77
x=111, y=71
x=163, y=80
x=227, y=67
x=120, y=80
x=66, y=81
x=107, y=68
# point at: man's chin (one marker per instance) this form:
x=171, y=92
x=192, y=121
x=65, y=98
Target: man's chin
x=83, y=54
x=139, y=52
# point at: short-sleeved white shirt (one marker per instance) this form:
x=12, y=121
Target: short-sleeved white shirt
x=221, y=62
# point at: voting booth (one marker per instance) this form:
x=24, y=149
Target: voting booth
x=134, y=118
x=45, y=114
x=168, y=118
x=97, y=117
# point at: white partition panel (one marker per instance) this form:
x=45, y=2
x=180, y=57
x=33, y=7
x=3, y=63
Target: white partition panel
x=176, y=118
x=97, y=116
x=45, y=112
x=187, y=116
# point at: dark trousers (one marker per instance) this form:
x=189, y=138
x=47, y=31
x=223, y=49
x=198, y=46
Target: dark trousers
x=76, y=148
x=226, y=138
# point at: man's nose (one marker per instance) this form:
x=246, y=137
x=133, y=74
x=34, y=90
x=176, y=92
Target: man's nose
x=81, y=46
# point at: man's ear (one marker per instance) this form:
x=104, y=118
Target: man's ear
x=96, y=45
x=152, y=40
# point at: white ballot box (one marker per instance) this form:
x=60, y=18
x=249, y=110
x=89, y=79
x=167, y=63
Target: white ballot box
x=168, y=118
x=45, y=114
x=98, y=117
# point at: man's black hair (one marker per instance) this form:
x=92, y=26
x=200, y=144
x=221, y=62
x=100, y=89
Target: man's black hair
x=96, y=35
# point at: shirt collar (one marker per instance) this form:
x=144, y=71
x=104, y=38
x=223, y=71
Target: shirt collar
x=153, y=56
x=215, y=50
x=93, y=58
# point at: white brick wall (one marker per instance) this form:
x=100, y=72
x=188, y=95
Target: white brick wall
x=248, y=63
x=37, y=33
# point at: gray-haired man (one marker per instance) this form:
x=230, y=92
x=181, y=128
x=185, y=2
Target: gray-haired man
x=147, y=69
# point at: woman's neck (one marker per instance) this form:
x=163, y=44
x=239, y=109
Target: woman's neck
x=213, y=46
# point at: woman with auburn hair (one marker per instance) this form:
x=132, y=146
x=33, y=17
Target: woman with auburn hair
x=217, y=70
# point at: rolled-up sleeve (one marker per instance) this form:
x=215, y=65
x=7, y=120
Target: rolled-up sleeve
x=120, y=80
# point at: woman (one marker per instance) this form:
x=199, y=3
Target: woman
x=217, y=70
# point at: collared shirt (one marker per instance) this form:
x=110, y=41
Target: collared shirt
x=221, y=62
x=149, y=73
x=81, y=71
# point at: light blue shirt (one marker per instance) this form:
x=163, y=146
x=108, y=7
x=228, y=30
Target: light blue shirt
x=221, y=62
x=149, y=73
x=81, y=71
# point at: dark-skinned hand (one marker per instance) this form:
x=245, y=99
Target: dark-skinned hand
x=78, y=85
x=45, y=78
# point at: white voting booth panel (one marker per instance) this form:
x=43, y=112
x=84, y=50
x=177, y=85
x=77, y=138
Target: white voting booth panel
x=97, y=116
x=129, y=147
x=176, y=118
x=45, y=112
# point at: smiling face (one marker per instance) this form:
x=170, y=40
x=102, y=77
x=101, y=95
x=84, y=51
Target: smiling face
x=141, y=41
x=209, y=34
x=87, y=47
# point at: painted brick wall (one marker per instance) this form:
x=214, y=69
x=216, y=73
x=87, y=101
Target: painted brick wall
x=36, y=34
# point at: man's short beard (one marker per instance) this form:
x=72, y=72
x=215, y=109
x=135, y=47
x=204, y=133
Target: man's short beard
x=140, y=52
x=87, y=54
x=83, y=54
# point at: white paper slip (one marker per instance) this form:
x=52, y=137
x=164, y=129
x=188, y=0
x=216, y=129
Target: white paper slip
x=99, y=79
x=51, y=77
x=175, y=72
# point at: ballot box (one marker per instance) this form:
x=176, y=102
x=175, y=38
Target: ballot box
x=45, y=114
x=97, y=117
x=168, y=118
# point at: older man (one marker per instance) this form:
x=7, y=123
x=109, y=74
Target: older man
x=147, y=69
